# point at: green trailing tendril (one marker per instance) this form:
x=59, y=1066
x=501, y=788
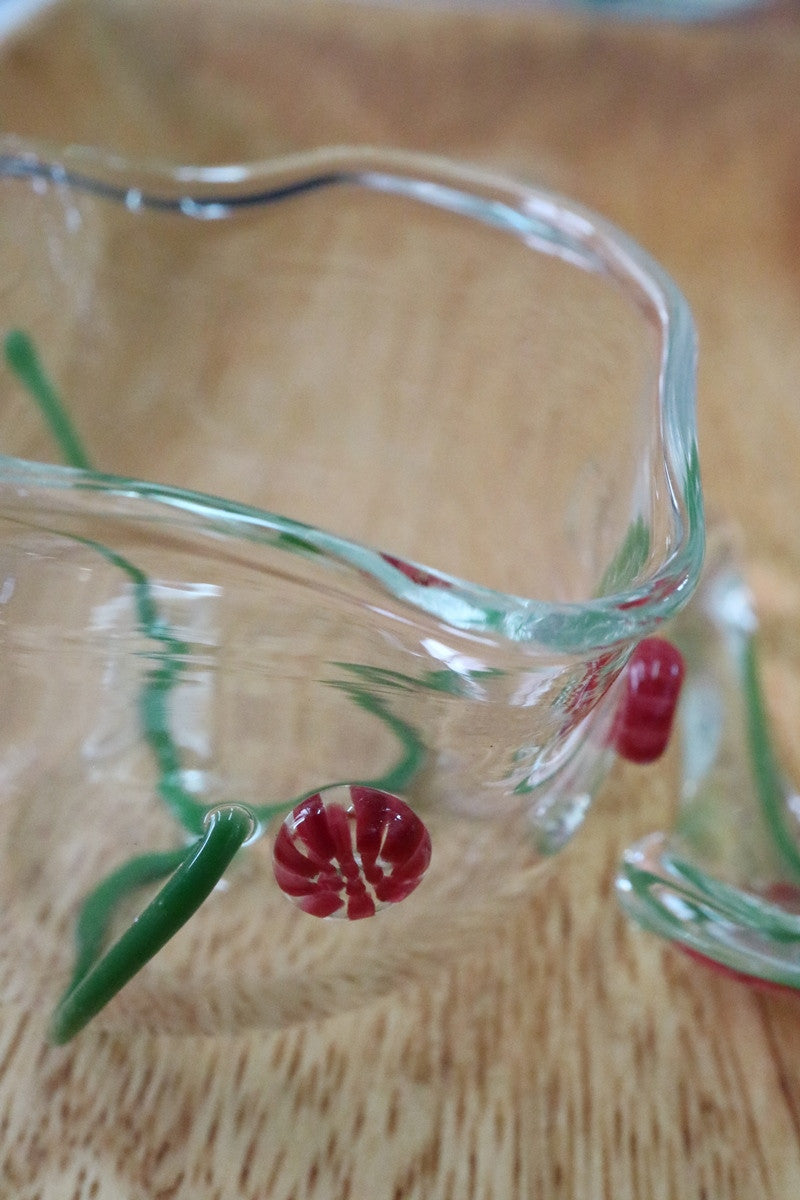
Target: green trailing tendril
x=767, y=774
x=218, y=834
x=23, y=360
x=196, y=877
x=629, y=559
x=94, y=920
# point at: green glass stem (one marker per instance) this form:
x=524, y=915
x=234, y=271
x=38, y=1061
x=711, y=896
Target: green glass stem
x=767, y=774
x=23, y=360
x=94, y=920
x=413, y=751
x=198, y=874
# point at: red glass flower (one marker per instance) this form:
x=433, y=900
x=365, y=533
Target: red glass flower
x=652, y=684
x=350, y=850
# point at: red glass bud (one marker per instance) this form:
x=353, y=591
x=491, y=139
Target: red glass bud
x=652, y=686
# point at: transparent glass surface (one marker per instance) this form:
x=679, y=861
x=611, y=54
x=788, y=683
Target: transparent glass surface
x=398, y=356
x=724, y=882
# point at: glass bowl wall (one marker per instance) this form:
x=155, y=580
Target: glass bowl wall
x=472, y=404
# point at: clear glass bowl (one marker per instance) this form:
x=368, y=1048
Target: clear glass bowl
x=476, y=402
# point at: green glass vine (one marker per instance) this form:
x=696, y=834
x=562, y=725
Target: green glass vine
x=192, y=871
x=769, y=781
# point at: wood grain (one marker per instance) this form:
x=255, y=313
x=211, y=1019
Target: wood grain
x=574, y=1058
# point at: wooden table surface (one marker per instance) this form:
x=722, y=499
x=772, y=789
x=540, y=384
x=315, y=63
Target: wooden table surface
x=575, y=1058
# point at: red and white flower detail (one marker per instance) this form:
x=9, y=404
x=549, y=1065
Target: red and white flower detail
x=350, y=850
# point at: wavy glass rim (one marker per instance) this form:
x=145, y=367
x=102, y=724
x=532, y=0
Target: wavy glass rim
x=540, y=219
